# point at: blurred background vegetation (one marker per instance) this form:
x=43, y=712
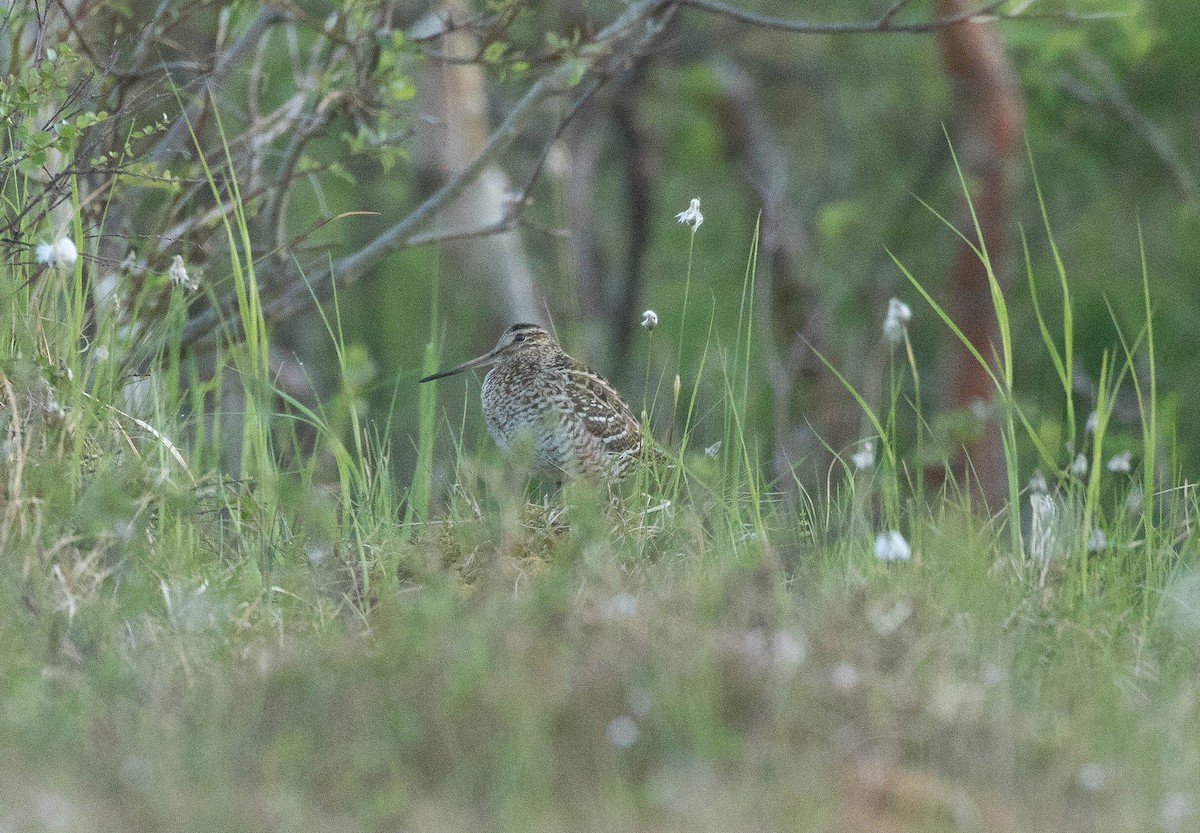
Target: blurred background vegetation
x=339, y=119
x=243, y=588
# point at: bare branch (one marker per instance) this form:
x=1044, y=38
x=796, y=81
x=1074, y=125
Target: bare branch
x=1115, y=97
x=613, y=47
x=892, y=11
x=501, y=226
x=985, y=13
x=264, y=20
x=557, y=82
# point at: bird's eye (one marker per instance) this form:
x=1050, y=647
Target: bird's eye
x=518, y=338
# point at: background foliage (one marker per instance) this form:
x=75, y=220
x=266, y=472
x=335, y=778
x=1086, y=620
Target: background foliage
x=256, y=578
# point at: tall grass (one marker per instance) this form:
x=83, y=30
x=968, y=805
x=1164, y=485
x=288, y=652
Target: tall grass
x=252, y=353
x=305, y=645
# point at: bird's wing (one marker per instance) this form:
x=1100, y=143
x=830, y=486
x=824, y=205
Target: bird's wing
x=603, y=413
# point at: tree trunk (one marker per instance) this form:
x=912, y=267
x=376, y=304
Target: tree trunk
x=988, y=124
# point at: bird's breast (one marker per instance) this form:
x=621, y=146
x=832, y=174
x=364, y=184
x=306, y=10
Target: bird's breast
x=517, y=403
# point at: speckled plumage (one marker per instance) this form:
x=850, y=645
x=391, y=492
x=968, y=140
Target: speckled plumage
x=579, y=425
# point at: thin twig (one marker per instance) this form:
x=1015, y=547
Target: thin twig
x=1118, y=100
x=986, y=12
x=263, y=21
x=602, y=57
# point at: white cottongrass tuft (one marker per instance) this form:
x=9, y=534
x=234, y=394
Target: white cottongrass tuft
x=778, y=650
x=1092, y=421
x=1092, y=777
x=65, y=252
x=639, y=701
x=844, y=676
x=787, y=651
x=53, y=413
x=898, y=316
x=61, y=253
x=891, y=546
x=864, y=458
x=622, y=731
x=178, y=275
x=1121, y=463
x=650, y=319
x=692, y=216
x=1038, y=484
x=982, y=410
x=1079, y=468
x=1174, y=810
x=621, y=606
x=1135, y=500
x=1043, y=540
x=1097, y=541
x=317, y=555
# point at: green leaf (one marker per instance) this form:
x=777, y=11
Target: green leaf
x=494, y=53
x=577, y=69
x=403, y=89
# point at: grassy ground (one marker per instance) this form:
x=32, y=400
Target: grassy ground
x=301, y=645
x=518, y=677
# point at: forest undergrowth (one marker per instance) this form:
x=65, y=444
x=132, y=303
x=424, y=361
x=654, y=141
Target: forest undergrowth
x=222, y=612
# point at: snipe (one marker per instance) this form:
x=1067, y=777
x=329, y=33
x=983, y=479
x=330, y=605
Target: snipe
x=580, y=426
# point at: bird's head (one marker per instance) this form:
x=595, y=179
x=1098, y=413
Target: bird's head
x=519, y=339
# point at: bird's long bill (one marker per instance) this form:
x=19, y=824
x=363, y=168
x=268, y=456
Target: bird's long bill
x=485, y=359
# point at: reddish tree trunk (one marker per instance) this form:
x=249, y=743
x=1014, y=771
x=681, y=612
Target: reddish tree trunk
x=989, y=120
